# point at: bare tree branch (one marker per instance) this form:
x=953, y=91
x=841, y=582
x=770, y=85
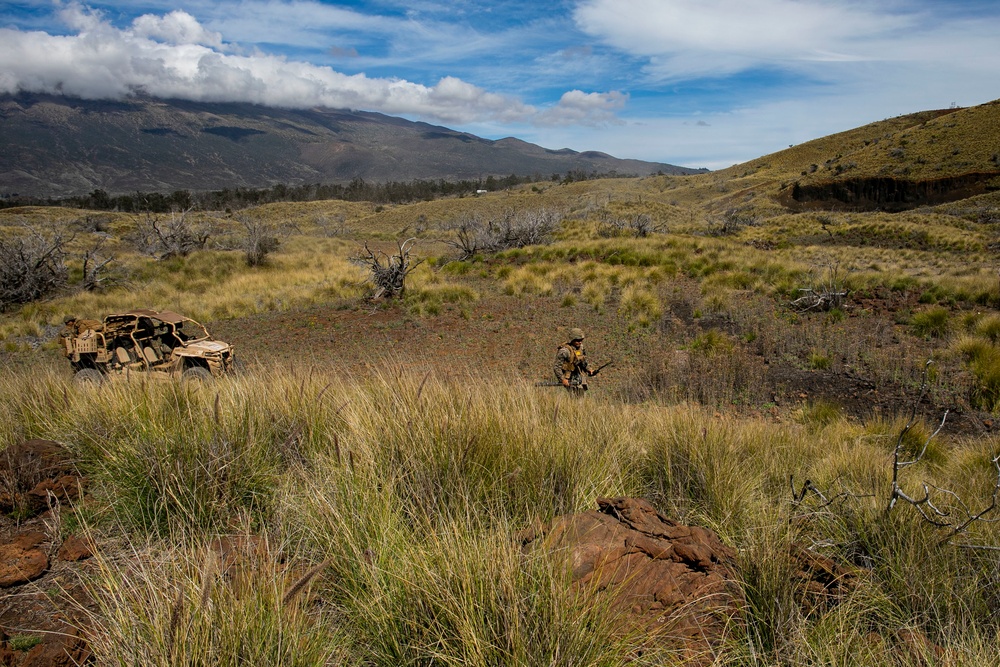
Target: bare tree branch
x=387, y=273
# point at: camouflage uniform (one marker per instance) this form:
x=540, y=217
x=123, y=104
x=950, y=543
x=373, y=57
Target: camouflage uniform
x=571, y=363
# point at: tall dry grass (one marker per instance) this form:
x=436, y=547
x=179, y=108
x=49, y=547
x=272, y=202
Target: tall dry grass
x=409, y=491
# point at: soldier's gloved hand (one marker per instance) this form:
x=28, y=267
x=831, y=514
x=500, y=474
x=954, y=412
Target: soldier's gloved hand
x=565, y=382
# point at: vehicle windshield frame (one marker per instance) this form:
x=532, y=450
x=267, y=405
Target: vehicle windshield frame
x=200, y=332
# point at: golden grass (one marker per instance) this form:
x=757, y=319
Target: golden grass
x=411, y=488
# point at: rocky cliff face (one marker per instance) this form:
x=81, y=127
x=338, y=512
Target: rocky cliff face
x=886, y=193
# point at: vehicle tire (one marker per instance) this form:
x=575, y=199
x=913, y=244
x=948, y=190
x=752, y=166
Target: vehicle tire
x=196, y=374
x=88, y=376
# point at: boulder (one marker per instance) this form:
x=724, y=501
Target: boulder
x=34, y=470
x=75, y=548
x=21, y=559
x=675, y=582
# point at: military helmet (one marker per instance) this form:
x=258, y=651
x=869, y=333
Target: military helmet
x=69, y=318
x=575, y=334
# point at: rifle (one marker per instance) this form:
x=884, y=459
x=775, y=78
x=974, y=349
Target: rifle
x=598, y=369
x=560, y=384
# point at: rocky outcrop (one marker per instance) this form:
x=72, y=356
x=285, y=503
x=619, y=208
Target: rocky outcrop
x=672, y=580
x=885, y=193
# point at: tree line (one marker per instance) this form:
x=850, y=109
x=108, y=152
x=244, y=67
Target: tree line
x=358, y=189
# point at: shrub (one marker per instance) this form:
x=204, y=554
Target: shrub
x=31, y=267
x=933, y=323
x=819, y=361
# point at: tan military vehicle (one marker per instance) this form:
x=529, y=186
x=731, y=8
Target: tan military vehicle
x=163, y=344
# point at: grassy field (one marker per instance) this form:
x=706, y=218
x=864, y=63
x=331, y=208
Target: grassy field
x=376, y=459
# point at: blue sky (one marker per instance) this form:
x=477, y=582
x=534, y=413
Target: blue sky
x=700, y=83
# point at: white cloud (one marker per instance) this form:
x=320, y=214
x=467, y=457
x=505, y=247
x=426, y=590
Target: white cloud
x=177, y=27
x=579, y=108
x=685, y=38
x=174, y=56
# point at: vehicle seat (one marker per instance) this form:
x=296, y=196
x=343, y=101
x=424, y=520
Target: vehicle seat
x=122, y=355
x=151, y=355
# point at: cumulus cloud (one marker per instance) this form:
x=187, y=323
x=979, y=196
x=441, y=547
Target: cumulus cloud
x=579, y=108
x=174, y=56
x=177, y=27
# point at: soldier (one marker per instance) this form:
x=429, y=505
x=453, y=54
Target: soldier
x=74, y=327
x=69, y=328
x=571, y=363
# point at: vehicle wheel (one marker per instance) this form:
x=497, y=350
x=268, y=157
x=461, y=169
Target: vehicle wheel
x=87, y=376
x=196, y=374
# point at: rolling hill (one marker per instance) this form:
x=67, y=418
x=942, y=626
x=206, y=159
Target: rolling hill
x=924, y=158
x=54, y=146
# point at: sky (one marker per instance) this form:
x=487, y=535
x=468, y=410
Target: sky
x=697, y=83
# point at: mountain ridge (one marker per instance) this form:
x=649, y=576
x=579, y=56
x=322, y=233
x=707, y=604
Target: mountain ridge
x=60, y=146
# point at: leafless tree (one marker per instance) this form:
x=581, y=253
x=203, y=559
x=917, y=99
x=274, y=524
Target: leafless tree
x=259, y=239
x=99, y=269
x=476, y=233
x=732, y=220
x=32, y=266
x=387, y=273
x=164, y=238
x=637, y=225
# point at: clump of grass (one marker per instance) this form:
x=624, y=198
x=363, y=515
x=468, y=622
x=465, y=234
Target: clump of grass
x=988, y=327
x=819, y=361
x=982, y=357
x=712, y=342
x=932, y=323
x=641, y=305
x=820, y=413
x=23, y=642
x=174, y=607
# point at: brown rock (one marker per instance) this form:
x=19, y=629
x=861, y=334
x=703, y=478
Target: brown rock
x=33, y=469
x=64, y=489
x=676, y=581
x=21, y=560
x=918, y=649
x=41, y=458
x=76, y=548
x=822, y=581
x=63, y=650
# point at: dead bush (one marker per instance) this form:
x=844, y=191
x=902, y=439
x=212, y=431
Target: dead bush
x=32, y=266
x=476, y=233
x=99, y=269
x=637, y=225
x=259, y=239
x=732, y=220
x=164, y=238
x=387, y=273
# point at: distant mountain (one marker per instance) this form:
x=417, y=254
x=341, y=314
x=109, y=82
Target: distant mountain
x=53, y=146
